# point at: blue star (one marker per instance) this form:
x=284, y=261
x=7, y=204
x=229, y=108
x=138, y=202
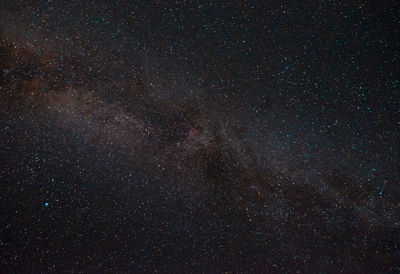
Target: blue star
x=46, y=204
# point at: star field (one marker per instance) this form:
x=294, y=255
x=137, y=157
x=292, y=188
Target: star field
x=199, y=136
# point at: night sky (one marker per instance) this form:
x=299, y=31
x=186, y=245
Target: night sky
x=199, y=136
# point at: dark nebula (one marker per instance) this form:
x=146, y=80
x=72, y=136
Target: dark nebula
x=197, y=136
